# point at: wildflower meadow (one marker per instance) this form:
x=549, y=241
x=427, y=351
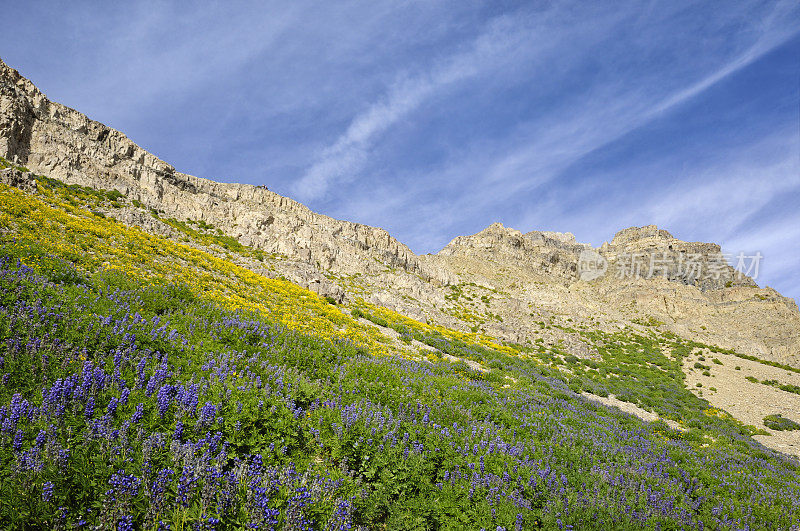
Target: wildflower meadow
x=147, y=384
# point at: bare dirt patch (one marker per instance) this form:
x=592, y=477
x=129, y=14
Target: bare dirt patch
x=474, y=365
x=749, y=402
x=631, y=409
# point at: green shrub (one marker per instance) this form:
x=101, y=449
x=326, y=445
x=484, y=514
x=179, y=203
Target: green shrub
x=790, y=388
x=113, y=195
x=779, y=423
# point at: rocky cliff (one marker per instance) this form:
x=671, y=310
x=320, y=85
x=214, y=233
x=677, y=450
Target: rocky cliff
x=500, y=281
x=60, y=142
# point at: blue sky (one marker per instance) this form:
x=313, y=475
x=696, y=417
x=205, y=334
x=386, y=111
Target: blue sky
x=434, y=119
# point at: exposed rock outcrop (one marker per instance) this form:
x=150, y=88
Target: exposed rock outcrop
x=18, y=179
x=553, y=254
x=650, y=252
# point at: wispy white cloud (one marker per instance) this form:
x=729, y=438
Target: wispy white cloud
x=536, y=151
x=772, y=31
x=162, y=59
x=349, y=152
x=609, y=117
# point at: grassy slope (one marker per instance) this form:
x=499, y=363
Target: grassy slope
x=145, y=381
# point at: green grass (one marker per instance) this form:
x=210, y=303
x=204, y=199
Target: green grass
x=206, y=234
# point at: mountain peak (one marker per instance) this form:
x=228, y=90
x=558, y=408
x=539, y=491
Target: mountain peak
x=647, y=232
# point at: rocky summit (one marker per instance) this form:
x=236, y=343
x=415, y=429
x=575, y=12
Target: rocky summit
x=177, y=352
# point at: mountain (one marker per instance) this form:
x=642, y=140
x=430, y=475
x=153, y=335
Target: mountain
x=208, y=283
x=536, y=271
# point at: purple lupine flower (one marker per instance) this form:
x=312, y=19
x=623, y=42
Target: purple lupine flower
x=112, y=407
x=47, y=491
x=123, y=399
x=140, y=372
x=18, y=436
x=99, y=378
x=123, y=484
x=158, y=377
x=189, y=399
x=186, y=485
x=89, y=410
x=138, y=413
x=40, y=439
x=125, y=523
x=341, y=518
x=164, y=399
x=19, y=409
x=63, y=458
x=207, y=414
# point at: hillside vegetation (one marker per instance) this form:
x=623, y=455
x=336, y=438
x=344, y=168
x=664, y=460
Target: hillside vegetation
x=150, y=384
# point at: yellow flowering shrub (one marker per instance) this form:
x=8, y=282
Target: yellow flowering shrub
x=46, y=224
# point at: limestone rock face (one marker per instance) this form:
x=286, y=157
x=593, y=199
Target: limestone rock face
x=648, y=233
x=650, y=252
x=60, y=142
x=500, y=280
x=550, y=253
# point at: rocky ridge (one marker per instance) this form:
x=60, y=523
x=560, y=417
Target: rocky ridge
x=54, y=140
x=501, y=281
